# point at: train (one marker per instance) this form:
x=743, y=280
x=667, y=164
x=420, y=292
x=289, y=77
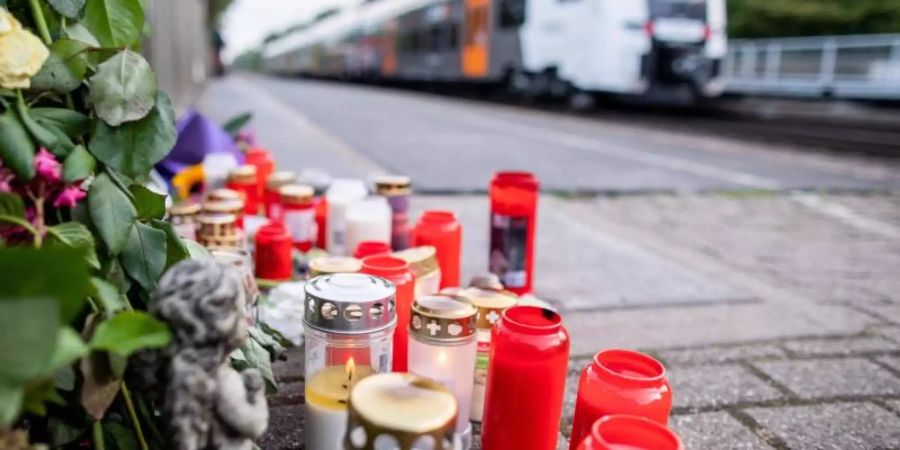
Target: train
x=665, y=51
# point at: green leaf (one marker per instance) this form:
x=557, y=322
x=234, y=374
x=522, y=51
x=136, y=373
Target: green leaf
x=144, y=255
x=75, y=235
x=120, y=437
x=62, y=431
x=134, y=147
x=257, y=357
x=25, y=349
x=16, y=147
x=68, y=8
x=72, y=123
x=149, y=204
x=11, y=399
x=175, y=246
x=100, y=386
x=112, y=213
x=108, y=296
x=79, y=165
x=130, y=331
x=115, y=23
x=64, y=69
x=195, y=250
x=69, y=348
x=54, y=272
x=79, y=32
x=64, y=379
x=236, y=123
x=54, y=140
x=123, y=89
x=11, y=205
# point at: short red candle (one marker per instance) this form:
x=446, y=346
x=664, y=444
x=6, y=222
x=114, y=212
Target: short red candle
x=396, y=271
x=271, y=196
x=369, y=248
x=620, y=382
x=513, y=222
x=526, y=380
x=265, y=165
x=273, y=252
x=626, y=432
x=321, y=204
x=243, y=180
x=298, y=215
x=441, y=230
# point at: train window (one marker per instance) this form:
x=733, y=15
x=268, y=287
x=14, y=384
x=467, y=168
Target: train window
x=436, y=39
x=453, y=34
x=512, y=13
x=688, y=9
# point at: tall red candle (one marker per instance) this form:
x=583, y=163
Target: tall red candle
x=513, y=222
x=626, y=432
x=396, y=271
x=243, y=180
x=369, y=248
x=321, y=204
x=273, y=252
x=620, y=382
x=272, y=193
x=265, y=165
x=441, y=230
x=526, y=380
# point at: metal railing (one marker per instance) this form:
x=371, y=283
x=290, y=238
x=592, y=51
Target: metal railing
x=852, y=67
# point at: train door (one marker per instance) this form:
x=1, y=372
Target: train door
x=476, y=42
x=389, y=49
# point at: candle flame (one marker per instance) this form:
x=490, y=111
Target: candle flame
x=351, y=368
x=442, y=358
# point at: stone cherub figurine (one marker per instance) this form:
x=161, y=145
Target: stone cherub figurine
x=209, y=404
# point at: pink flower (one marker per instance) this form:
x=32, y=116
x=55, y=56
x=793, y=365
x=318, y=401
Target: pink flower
x=46, y=166
x=6, y=176
x=69, y=197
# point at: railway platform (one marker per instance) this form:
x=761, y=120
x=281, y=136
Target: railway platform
x=762, y=273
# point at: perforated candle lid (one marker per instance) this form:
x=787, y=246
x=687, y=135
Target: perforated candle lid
x=442, y=318
x=350, y=303
x=490, y=304
x=223, y=194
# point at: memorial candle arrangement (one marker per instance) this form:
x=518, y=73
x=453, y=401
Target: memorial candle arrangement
x=340, y=195
x=513, y=223
x=272, y=192
x=442, y=347
x=625, y=432
x=348, y=324
x=424, y=266
x=261, y=159
x=368, y=219
x=273, y=252
x=526, y=380
x=441, y=230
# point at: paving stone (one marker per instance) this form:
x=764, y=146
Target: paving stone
x=895, y=405
x=285, y=429
x=715, y=430
x=832, y=377
x=841, y=347
x=288, y=394
x=889, y=312
x=892, y=361
x=890, y=332
x=719, y=355
x=841, y=426
x=698, y=387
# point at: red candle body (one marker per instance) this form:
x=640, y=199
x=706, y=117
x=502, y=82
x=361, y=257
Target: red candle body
x=513, y=223
x=396, y=271
x=272, y=203
x=321, y=220
x=526, y=380
x=441, y=230
x=369, y=248
x=265, y=165
x=273, y=252
x=620, y=382
x=248, y=191
x=625, y=432
x=298, y=215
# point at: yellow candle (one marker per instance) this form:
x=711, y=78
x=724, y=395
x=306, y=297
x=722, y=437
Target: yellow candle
x=327, y=392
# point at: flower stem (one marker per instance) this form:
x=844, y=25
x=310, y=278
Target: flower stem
x=134, y=418
x=98, y=436
x=40, y=21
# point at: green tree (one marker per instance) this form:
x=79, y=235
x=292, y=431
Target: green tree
x=776, y=18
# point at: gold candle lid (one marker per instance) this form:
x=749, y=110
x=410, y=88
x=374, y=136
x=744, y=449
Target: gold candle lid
x=404, y=406
x=490, y=304
x=333, y=264
x=235, y=207
x=393, y=185
x=245, y=174
x=279, y=179
x=218, y=230
x=442, y=319
x=184, y=209
x=223, y=194
x=422, y=260
x=296, y=194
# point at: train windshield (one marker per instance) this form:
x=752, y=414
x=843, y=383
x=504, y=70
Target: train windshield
x=684, y=9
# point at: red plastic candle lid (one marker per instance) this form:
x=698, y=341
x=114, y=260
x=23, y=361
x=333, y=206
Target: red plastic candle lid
x=532, y=320
x=626, y=432
x=438, y=217
x=369, y=248
x=384, y=265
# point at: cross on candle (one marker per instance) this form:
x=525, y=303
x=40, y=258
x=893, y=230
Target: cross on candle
x=492, y=317
x=433, y=327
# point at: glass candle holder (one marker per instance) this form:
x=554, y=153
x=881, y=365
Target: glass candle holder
x=273, y=252
x=399, y=411
x=424, y=266
x=369, y=248
x=622, y=431
x=299, y=215
x=397, y=190
x=441, y=230
x=183, y=217
x=620, y=382
x=526, y=380
x=325, y=265
x=320, y=181
x=513, y=221
x=396, y=271
x=243, y=180
x=490, y=305
x=272, y=192
x=340, y=195
x=349, y=322
x=442, y=347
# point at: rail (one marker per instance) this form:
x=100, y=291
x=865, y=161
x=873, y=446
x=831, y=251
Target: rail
x=851, y=67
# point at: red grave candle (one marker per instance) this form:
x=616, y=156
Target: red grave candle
x=265, y=165
x=273, y=252
x=396, y=271
x=526, y=380
x=243, y=180
x=298, y=215
x=626, y=432
x=620, y=382
x=369, y=248
x=441, y=230
x=321, y=204
x=272, y=193
x=513, y=221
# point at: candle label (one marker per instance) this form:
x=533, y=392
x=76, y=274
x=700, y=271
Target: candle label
x=301, y=224
x=481, y=362
x=509, y=237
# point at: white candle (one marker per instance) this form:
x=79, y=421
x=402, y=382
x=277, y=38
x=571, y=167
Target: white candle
x=341, y=193
x=327, y=392
x=368, y=220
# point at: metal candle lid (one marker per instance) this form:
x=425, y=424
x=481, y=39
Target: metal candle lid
x=442, y=319
x=422, y=260
x=350, y=303
x=334, y=264
x=489, y=303
x=392, y=185
x=403, y=406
